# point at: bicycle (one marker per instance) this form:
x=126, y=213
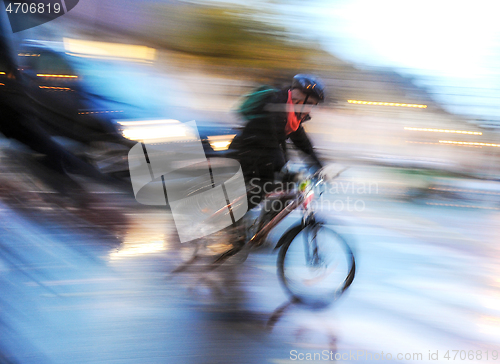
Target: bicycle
x=315, y=264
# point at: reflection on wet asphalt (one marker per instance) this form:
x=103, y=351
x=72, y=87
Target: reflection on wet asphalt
x=84, y=286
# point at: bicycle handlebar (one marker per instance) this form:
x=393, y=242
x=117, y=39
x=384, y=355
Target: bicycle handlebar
x=321, y=179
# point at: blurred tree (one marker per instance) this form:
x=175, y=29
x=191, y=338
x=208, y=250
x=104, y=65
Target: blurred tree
x=234, y=36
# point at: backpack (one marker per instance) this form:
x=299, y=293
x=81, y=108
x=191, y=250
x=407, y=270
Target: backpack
x=251, y=106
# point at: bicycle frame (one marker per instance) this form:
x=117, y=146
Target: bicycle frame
x=266, y=229
x=299, y=199
x=309, y=226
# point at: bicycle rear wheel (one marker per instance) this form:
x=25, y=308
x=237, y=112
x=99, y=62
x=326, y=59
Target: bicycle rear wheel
x=315, y=264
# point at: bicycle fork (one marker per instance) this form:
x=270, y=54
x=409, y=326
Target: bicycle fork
x=311, y=247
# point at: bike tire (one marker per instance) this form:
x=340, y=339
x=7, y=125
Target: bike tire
x=293, y=270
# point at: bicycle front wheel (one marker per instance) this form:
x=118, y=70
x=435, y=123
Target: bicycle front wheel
x=315, y=264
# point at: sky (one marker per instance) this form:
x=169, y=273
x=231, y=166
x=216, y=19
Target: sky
x=452, y=48
x=431, y=35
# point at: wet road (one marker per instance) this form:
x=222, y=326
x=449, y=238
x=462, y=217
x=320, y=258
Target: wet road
x=81, y=288
x=95, y=286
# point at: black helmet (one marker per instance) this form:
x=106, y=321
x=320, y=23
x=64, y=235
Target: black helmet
x=310, y=85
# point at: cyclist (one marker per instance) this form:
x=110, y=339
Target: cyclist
x=273, y=116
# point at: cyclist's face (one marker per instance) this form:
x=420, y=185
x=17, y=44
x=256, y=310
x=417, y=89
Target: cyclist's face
x=304, y=104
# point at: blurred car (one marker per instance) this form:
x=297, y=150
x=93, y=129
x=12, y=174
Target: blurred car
x=66, y=106
x=88, y=101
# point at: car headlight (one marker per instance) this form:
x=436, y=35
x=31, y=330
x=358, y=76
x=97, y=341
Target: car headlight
x=220, y=142
x=156, y=131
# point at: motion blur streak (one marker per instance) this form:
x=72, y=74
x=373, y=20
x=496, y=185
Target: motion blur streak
x=220, y=142
x=445, y=131
x=411, y=107
x=470, y=143
x=57, y=76
x=136, y=244
x=378, y=103
x=56, y=88
x=464, y=206
x=109, y=50
x=453, y=145
x=156, y=130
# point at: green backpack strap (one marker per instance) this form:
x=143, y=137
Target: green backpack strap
x=251, y=107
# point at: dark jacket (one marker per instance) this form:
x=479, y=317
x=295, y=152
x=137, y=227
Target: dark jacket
x=261, y=145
